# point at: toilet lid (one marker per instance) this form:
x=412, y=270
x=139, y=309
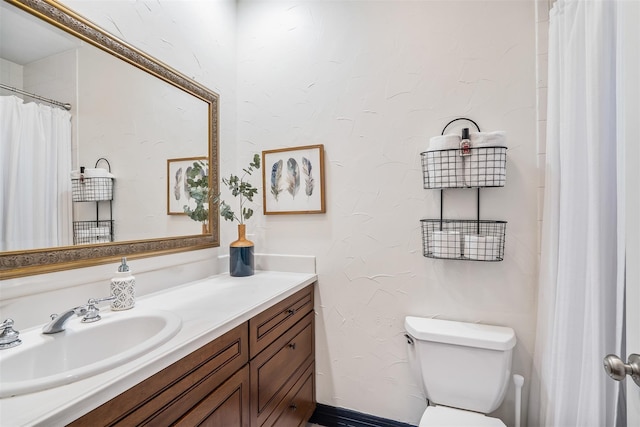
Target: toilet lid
x=443, y=416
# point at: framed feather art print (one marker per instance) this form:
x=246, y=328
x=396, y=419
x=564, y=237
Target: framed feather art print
x=178, y=191
x=293, y=180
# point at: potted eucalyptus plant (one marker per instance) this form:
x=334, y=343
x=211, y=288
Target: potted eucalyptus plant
x=241, y=255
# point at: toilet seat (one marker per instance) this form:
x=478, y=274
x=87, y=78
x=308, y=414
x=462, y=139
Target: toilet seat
x=442, y=416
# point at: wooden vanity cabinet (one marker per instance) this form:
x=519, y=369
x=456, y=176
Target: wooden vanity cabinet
x=265, y=327
x=281, y=344
x=228, y=405
x=165, y=397
x=261, y=373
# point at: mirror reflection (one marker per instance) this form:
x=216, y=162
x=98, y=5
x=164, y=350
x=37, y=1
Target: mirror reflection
x=119, y=112
x=126, y=122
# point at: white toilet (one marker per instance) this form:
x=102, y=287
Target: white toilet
x=465, y=369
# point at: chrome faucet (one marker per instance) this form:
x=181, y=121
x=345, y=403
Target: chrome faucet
x=58, y=321
x=93, y=313
x=90, y=312
x=9, y=336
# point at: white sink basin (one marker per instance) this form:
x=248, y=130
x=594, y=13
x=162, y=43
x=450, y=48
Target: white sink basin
x=83, y=349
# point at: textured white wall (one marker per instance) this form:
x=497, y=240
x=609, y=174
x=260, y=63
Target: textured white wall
x=11, y=74
x=53, y=77
x=372, y=81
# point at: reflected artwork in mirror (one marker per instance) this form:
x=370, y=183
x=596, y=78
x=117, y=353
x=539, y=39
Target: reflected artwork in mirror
x=125, y=106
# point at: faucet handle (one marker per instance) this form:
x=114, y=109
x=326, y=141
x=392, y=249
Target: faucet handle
x=92, y=313
x=9, y=336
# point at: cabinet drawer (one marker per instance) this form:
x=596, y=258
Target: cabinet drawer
x=278, y=367
x=164, y=397
x=267, y=326
x=298, y=405
x=228, y=405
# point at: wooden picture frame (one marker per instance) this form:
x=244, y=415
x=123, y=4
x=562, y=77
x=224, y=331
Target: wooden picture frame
x=177, y=191
x=293, y=180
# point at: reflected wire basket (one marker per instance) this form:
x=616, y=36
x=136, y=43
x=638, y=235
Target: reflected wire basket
x=92, y=189
x=92, y=232
x=471, y=240
x=92, y=185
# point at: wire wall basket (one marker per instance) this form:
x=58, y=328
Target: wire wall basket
x=92, y=185
x=470, y=240
x=92, y=189
x=483, y=167
x=92, y=232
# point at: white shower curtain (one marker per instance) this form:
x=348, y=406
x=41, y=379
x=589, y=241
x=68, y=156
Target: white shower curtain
x=35, y=163
x=581, y=285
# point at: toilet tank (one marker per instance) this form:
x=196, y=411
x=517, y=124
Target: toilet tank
x=463, y=365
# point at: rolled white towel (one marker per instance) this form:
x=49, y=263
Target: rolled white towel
x=488, y=139
x=444, y=168
x=444, y=142
x=100, y=231
x=94, y=235
x=446, y=244
x=96, y=184
x=92, y=173
x=486, y=166
x=482, y=248
x=83, y=192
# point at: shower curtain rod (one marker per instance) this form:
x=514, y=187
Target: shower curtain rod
x=66, y=106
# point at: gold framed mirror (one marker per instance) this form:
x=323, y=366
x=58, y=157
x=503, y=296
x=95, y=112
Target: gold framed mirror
x=17, y=263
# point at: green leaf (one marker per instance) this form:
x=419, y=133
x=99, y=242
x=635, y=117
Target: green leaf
x=247, y=213
x=256, y=161
x=198, y=181
x=226, y=212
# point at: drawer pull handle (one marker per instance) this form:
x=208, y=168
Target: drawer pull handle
x=291, y=312
x=293, y=407
x=292, y=346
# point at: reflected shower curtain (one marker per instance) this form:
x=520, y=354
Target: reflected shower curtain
x=581, y=284
x=35, y=163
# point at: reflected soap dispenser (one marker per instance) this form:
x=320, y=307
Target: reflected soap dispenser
x=123, y=288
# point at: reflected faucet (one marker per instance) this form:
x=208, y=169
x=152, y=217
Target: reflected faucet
x=9, y=336
x=90, y=312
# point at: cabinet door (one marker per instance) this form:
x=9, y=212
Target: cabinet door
x=228, y=405
x=296, y=408
x=275, y=370
x=267, y=326
x=172, y=392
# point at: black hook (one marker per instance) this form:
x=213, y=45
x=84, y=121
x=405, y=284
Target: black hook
x=102, y=158
x=460, y=118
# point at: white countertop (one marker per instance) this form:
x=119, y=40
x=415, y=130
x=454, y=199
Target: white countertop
x=209, y=308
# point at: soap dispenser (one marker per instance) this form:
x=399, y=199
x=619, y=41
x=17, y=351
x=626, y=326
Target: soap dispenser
x=465, y=143
x=123, y=288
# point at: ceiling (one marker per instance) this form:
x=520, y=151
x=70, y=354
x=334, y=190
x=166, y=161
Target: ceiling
x=42, y=41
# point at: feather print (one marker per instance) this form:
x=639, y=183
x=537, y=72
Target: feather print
x=176, y=186
x=308, y=181
x=187, y=190
x=276, y=176
x=293, y=177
